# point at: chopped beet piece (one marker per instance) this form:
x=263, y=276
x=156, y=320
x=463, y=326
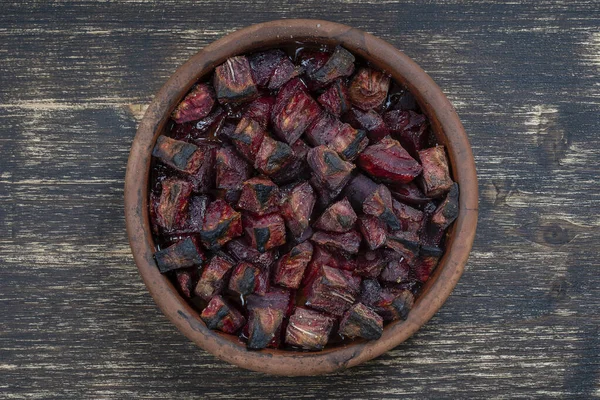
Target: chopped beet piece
x=195, y=216
x=173, y=204
x=329, y=169
x=290, y=268
x=368, y=89
x=233, y=81
x=259, y=196
x=370, y=292
x=333, y=291
x=410, y=218
x=208, y=123
x=339, y=64
x=221, y=224
x=294, y=115
x=394, y=304
x=323, y=129
x=300, y=149
x=213, y=279
x=426, y=262
x=247, y=279
x=389, y=162
x=370, y=264
x=406, y=244
x=264, y=64
x=312, y=60
x=186, y=279
x=361, y=321
x=410, y=128
x=348, y=242
x=242, y=251
x=379, y=204
x=369, y=121
x=349, y=142
x=323, y=257
x=403, y=100
x=177, y=154
x=324, y=195
x=338, y=217
x=308, y=329
x=435, y=180
x=297, y=207
x=260, y=110
x=265, y=317
x=247, y=138
x=409, y=193
x=441, y=218
x=372, y=230
x=397, y=270
x=222, y=316
x=336, y=99
x=358, y=189
x=203, y=179
x=265, y=232
x=285, y=71
x=184, y=253
x=276, y=159
x=197, y=104
x=231, y=169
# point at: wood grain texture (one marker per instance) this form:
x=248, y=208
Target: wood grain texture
x=75, y=319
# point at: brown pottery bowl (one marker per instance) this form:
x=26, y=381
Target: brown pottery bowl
x=445, y=124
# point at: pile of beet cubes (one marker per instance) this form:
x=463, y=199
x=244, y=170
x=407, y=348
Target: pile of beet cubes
x=299, y=200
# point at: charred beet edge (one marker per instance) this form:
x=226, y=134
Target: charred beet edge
x=361, y=321
x=259, y=196
x=348, y=241
x=373, y=231
x=171, y=208
x=297, y=207
x=184, y=253
x=328, y=168
x=369, y=121
x=221, y=224
x=369, y=88
x=333, y=291
x=213, y=279
x=435, y=180
x=233, y=81
x=379, y=204
x=196, y=105
x=338, y=217
x=341, y=63
x=241, y=251
x=266, y=232
x=336, y=99
x=290, y=268
x=265, y=317
x=221, y=315
x=308, y=329
x=247, y=279
x=177, y=154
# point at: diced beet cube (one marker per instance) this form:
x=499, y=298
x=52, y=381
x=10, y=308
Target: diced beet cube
x=369, y=88
x=285, y=71
x=300, y=149
x=397, y=270
x=410, y=218
x=259, y=196
x=339, y=64
x=426, y=262
x=297, y=207
x=294, y=115
x=233, y=81
x=221, y=315
x=349, y=142
x=358, y=189
x=204, y=178
x=379, y=204
x=221, y=224
x=361, y=321
x=214, y=277
x=265, y=232
x=372, y=230
x=370, y=264
x=231, y=169
x=410, y=128
x=435, y=180
x=207, y=124
x=323, y=257
x=348, y=242
x=264, y=64
x=336, y=99
x=186, y=279
x=195, y=216
x=308, y=329
x=323, y=129
x=197, y=104
x=312, y=60
x=409, y=193
x=260, y=110
x=276, y=159
x=177, y=154
x=394, y=304
x=182, y=254
x=265, y=317
x=338, y=217
x=324, y=195
x=442, y=217
x=173, y=204
x=406, y=244
x=389, y=162
x=328, y=168
x=247, y=138
x=247, y=279
x=370, y=292
x=290, y=268
x=242, y=251
x=369, y=121
x=333, y=291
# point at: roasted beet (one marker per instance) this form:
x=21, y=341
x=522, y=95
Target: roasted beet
x=231, y=169
x=409, y=193
x=338, y=217
x=370, y=292
x=339, y=64
x=380, y=204
x=426, y=262
x=207, y=124
x=328, y=168
x=435, y=180
x=389, y=162
x=409, y=128
x=285, y=71
x=243, y=251
x=406, y=244
x=300, y=149
x=260, y=110
x=213, y=278
x=247, y=279
x=171, y=210
x=371, y=263
x=369, y=121
x=308, y=329
x=290, y=268
x=203, y=179
x=197, y=104
x=324, y=257
x=442, y=217
x=221, y=224
x=177, y=154
x=247, y=138
x=349, y=142
x=336, y=99
x=259, y=196
x=312, y=60
x=293, y=115
x=182, y=254
x=265, y=317
x=361, y=321
x=372, y=230
x=410, y=218
x=264, y=64
x=348, y=242
x=333, y=291
x=265, y=232
x=323, y=129
x=186, y=278
x=194, y=217
x=221, y=315
x=276, y=159
x=396, y=270
x=358, y=189
x=297, y=207
x=394, y=304
x=233, y=81
x=368, y=89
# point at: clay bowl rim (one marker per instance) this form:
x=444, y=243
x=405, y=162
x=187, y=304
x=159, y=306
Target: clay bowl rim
x=445, y=124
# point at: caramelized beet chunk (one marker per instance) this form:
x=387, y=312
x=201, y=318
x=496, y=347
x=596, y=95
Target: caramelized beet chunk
x=265, y=317
x=410, y=128
x=348, y=242
x=242, y=251
x=231, y=169
x=203, y=179
x=436, y=176
x=290, y=268
x=213, y=279
x=300, y=149
x=260, y=110
x=405, y=244
x=426, y=262
x=389, y=162
x=336, y=98
x=259, y=196
x=293, y=115
x=397, y=270
x=329, y=169
x=308, y=329
x=333, y=291
x=264, y=64
x=312, y=60
x=247, y=279
x=221, y=224
x=368, y=89
x=324, y=195
x=177, y=154
x=233, y=81
x=195, y=216
x=361, y=321
x=222, y=316
x=338, y=217
x=197, y=104
x=323, y=129
x=358, y=189
x=369, y=121
x=182, y=254
x=173, y=204
x=339, y=64
x=185, y=279
x=379, y=204
x=372, y=230
x=322, y=257
x=265, y=232
x=276, y=159
x=285, y=71
x=394, y=304
x=409, y=193
x=410, y=218
x=349, y=142
x=370, y=264
x=297, y=207
x=441, y=218
x=247, y=138
x=207, y=124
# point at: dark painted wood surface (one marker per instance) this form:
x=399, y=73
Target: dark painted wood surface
x=75, y=319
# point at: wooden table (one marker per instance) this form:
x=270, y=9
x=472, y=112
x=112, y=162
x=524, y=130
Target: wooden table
x=75, y=318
